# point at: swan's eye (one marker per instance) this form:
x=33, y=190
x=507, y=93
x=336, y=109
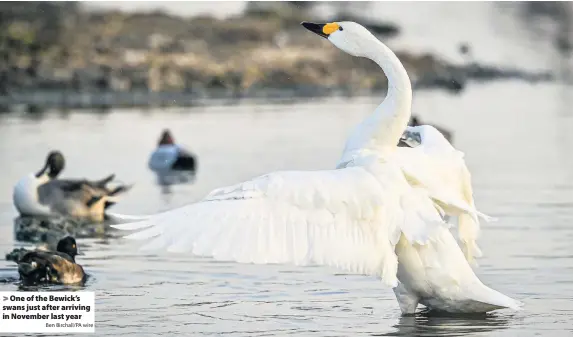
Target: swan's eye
x=340, y=29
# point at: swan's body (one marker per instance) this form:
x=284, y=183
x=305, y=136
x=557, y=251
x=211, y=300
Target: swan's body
x=42, y=194
x=365, y=217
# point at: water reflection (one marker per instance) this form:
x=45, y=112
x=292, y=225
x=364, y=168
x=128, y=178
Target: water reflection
x=50, y=230
x=50, y=287
x=431, y=324
x=166, y=180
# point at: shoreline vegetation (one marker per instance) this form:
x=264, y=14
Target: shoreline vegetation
x=59, y=55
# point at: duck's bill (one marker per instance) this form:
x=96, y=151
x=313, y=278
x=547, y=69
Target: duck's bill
x=316, y=28
x=81, y=253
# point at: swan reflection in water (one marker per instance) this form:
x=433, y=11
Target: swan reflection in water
x=435, y=324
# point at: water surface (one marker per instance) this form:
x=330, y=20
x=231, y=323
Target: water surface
x=517, y=142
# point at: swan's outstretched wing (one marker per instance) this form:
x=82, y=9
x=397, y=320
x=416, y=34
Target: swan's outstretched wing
x=442, y=171
x=342, y=218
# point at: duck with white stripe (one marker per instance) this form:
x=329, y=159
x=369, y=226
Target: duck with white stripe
x=43, y=194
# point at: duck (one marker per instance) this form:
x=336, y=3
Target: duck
x=57, y=267
x=43, y=194
x=364, y=216
x=169, y=156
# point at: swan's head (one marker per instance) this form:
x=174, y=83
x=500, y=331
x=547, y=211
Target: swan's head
x=347, y=35
x=55, y=163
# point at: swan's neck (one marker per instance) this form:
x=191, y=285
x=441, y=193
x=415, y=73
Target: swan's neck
x=392, y=115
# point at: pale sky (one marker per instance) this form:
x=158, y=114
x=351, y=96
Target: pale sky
x=185, y=8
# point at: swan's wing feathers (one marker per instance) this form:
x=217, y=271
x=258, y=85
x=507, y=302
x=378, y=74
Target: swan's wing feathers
x=339, y=218
x=442, y=174
x=445, y=176
x=468, y=226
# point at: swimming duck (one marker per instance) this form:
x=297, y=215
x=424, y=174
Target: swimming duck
x=57, y=267
x=42, y=194
x=169, y=156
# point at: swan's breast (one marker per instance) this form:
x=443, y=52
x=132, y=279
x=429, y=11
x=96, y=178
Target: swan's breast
x=436, y=271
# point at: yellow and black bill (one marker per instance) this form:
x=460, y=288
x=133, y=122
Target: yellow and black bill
x=322, y=29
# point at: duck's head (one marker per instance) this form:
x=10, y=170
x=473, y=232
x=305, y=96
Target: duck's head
x=55, y=163
x=68, y=246
x=166, y=138
x=349, y=36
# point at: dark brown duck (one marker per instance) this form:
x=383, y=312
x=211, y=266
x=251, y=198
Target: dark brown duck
x=58, y=267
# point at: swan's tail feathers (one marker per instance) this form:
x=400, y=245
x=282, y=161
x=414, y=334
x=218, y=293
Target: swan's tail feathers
x=494, y=298
x=121, y=220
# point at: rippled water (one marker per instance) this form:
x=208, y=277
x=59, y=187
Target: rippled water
x=517, y=138
x=517, y=141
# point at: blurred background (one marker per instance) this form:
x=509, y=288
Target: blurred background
x=248, y=91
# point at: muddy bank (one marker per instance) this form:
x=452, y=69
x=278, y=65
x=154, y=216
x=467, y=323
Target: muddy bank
x=58, y=54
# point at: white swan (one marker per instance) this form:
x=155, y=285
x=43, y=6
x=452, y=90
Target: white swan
x=364, y=217
x=42, y=194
